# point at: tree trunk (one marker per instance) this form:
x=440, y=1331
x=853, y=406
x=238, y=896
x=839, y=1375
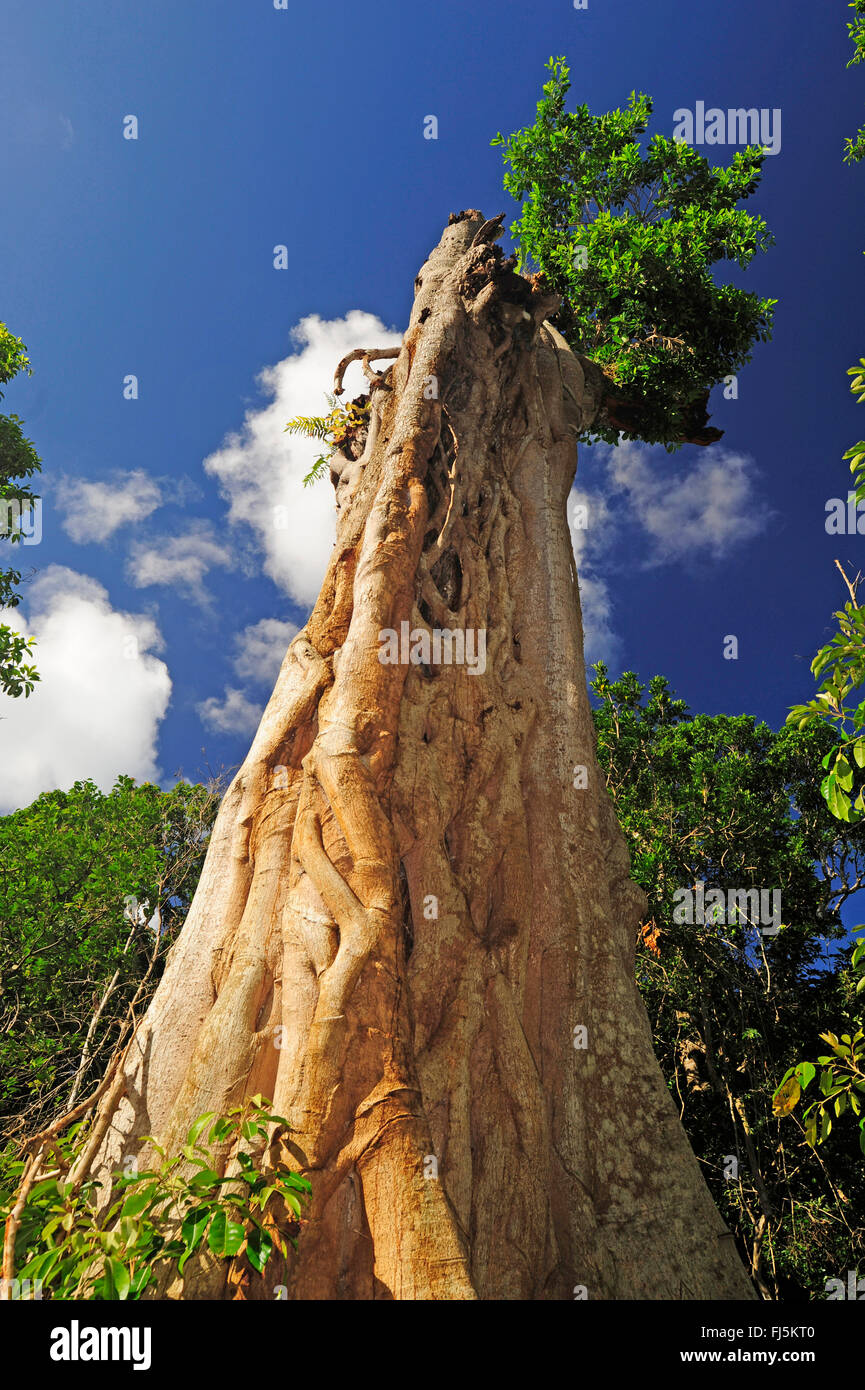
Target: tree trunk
x=415, y=927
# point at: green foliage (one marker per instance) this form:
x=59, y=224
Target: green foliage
x=840, y=665
x=841, y=1085
x=18, y=459
x=340, y=423
x=17, y=675
x=627, y=239
x=728, y=801
x=855, y=148
x=72, y=862
x=158, y=1219
x=840, y=668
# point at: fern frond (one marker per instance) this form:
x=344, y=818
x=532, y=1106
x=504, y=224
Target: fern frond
x=317, y=470
x=331, y=429
x=313, y=426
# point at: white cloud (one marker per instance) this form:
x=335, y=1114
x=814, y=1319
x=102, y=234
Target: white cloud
x=260, y=468
x=180, y=561
x=97, y=709
x=235, y=714
x=668, y=518
x=261, y=648
x=701, y=515
x=95, y=510
x=590, y=524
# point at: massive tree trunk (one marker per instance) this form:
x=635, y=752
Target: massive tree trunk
x=415, y=928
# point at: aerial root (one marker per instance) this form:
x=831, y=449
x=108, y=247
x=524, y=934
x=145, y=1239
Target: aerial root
x=366, y=356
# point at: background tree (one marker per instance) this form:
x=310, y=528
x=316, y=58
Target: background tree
x=415, y=925
x=725, y=801
x=627, y=239
x=18, y=461
x=93, y=891
x=839, y=667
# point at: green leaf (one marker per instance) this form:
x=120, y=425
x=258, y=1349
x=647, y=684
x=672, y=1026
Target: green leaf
x=293, y=1201
x=194, y=1225
x=136, y=1203
x=805, y=1073
x=837, y=800
x=235, y=1235
x=119, y=1276
x=206, y=1177
x=258, y=1248
x=199, y=1125
x=216, y=1234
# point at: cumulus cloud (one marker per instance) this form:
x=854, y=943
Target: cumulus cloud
x=261, y=648
x=590, y=525
x=259, y=652
x=235, y=714
x=703, y=514
x=94, y=510
x=179, y=561
x=260, y=468
x=97, y=709
x=667, y=515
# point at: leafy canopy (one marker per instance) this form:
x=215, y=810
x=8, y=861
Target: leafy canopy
x=628, y=240
x=725, y=800
x=75, y=866
x=839, y=666
x=855, y=148
x=18, y=460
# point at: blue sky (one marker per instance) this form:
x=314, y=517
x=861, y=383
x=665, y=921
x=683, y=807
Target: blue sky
x=304, y=127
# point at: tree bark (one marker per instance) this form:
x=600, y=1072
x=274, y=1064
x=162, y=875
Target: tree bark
x=415, y=927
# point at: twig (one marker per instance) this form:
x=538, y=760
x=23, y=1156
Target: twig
x=365, y=355
x=851, y=587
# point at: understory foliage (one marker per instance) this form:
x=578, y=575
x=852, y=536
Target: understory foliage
x=726, y=801
x=837, y=708
x=157, y=1219
x=18, y=461
x=628, y=237
x=722, y=800
x=93, y=891
x=840, y=664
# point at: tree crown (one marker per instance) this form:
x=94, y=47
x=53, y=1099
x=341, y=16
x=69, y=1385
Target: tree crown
x=627, y=239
